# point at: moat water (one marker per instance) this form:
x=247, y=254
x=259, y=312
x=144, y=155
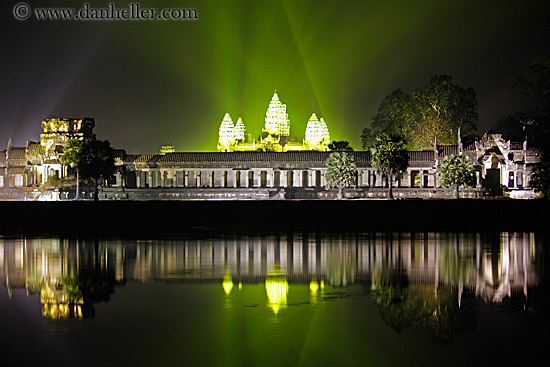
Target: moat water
x=283, y=299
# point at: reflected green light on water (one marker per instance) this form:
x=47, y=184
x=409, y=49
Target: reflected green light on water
x=227, y=284
x=289, y=299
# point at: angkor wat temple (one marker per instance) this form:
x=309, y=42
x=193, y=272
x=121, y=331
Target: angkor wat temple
x=35, y=172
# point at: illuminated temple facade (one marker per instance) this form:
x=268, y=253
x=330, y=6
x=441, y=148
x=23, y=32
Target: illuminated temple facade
x=34, y=171
x=275, y=135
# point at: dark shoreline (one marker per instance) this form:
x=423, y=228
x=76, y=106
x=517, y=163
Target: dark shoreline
x=157, y=218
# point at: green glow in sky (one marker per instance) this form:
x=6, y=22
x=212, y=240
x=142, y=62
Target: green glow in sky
x=148, y=83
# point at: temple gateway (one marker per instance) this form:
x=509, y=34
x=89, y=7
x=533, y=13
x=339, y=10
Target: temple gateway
x=277, y=169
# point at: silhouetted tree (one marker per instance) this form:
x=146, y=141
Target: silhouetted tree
x=540, y=177
x=533, y=121
x=72, y=156
x=92, y=158
x=396, y=112
x=340, y=145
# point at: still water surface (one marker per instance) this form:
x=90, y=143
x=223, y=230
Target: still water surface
x=290, y=299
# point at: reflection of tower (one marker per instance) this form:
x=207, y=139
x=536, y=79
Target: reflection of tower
x=341, y=264
x=276, y=118
x=276, y=287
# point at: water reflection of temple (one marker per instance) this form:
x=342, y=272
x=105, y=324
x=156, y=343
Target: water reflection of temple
x=60, y=270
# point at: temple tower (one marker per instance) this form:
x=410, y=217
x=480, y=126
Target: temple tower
x=240, y=130
x=276, y=118
x=317, y=134
x=324, y=133
x=226, y=135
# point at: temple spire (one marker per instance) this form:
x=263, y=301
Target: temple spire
x=226, y=134
x=240, y=130
x=317, y=134
x=276, y=118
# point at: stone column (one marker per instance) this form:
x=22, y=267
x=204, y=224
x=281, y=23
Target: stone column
x=211, y=178
x=157, y=178
x=237, y=178
x=149, y=178
x=180, y=178
x=323, y=178
x=185, y=178
x=234, y=178
x=198, y=178
x=297, y=178
x=172, y=175
x=223, y=181
x=247, y=178
x=311, y=178
x=283, y=178
x=269, y=178
x=256, y=178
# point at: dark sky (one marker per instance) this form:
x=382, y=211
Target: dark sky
x=152, y=82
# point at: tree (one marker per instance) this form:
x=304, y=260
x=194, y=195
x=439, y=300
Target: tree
x=367, y=138
x=535, y=85
x=92, y=158
x=456, y=171
x=395, y=115
x=340, y=145
x=72, y=157
x=430, y=127
x=540, y=177
x=516, y=126
x=389, y=157
x=438, y=109
x=341, y=171
x=443, y=105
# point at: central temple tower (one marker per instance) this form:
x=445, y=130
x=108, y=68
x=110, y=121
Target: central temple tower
x=276, y=118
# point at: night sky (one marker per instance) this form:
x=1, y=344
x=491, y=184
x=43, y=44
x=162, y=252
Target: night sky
x=151, y=82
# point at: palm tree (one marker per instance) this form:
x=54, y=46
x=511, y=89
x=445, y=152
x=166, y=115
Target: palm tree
x=72, y=157
x=456, y=171
x=389, y=157
x=341, y=171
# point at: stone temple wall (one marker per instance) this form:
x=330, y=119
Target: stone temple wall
x=251, y=194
